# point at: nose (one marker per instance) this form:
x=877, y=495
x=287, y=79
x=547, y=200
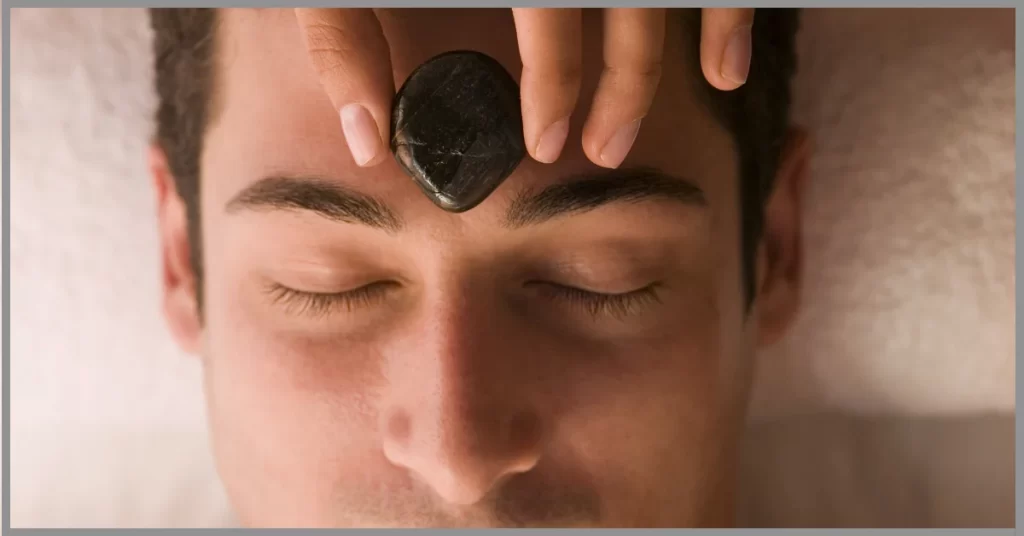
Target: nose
x=461, y=416
x=462, y=453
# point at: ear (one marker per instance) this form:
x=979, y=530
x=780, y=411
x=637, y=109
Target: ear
x=180, y=307
x=780, y=259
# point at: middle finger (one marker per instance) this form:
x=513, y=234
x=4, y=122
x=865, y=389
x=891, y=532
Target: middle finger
x=634, y=41
x=550, y=48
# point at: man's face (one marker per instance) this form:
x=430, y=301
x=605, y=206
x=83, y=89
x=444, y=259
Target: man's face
x=587, y=364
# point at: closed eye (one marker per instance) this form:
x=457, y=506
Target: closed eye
x=598, y=304
x=322, y=304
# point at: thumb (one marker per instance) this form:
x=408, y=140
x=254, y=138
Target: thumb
x=351, y=56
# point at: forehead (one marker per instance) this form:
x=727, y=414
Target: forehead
x=273, y=117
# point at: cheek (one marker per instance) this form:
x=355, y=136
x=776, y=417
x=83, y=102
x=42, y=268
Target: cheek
x=653, y=424
x=292, y=421
x=294, y=418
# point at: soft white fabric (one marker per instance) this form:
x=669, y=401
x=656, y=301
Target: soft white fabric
x=909, y=290
x=908, y=306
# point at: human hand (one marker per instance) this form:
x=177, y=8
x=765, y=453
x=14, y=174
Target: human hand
x=352, y=58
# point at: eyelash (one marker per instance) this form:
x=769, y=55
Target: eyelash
x=596, y=304
x=599, y=304
x=322, y=304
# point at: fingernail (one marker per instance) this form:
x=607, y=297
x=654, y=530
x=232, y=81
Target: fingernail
x=736, y=57
x=552, y=141
x=361, y=133
x=619, y=144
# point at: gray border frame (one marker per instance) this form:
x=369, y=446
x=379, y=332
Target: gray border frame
x=5, y=199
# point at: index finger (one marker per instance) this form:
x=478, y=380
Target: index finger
x=352, y=58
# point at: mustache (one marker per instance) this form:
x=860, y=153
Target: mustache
x=522, y=501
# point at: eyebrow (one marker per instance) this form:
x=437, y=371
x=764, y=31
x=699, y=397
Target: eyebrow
x=323, y=197
x=576, y=194
x=590, y=191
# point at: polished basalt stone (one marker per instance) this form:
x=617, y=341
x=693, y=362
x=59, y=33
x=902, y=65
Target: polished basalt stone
x=458, y=129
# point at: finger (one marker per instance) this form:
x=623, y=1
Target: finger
x=351, y=57
x=550, y=47
x=725, y=46
x=634, y=41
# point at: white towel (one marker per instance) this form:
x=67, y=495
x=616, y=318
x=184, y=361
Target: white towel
x=909, y=296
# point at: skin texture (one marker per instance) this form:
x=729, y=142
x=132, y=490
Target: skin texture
x=472, y=388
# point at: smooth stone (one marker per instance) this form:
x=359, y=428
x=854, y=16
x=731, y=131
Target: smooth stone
x=458, y=129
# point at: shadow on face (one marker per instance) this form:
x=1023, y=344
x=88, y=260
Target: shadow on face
x=574, y=351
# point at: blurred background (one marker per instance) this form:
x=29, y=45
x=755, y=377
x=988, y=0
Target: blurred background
x=890, y=405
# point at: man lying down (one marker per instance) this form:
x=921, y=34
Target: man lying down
x=576, y=350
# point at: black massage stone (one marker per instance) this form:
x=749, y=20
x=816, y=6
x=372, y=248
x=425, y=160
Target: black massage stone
x=457, y=128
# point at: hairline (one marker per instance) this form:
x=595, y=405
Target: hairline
x=750, y=196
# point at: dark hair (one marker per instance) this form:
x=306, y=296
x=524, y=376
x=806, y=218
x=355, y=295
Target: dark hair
x=183, y=47
x=756, y=114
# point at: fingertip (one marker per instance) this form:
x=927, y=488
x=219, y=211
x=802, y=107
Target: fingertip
x=726, y=46
x=615, y=150
x=385, y=137
x=551, y=142
x=592, y=145
x=721, y=83
x=610, y=150
x=361, y=134
x=736, y=57
x=724, y=70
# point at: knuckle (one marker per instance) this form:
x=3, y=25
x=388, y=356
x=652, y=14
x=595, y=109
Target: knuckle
x=646, y=73
x=327, y=61
x=323, y=36
x=327, y=47
x=565, y=77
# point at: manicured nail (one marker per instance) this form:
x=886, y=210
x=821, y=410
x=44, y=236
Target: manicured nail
x=736, y=56
x=361, y=133
x=619, y=144
x=551, y=141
